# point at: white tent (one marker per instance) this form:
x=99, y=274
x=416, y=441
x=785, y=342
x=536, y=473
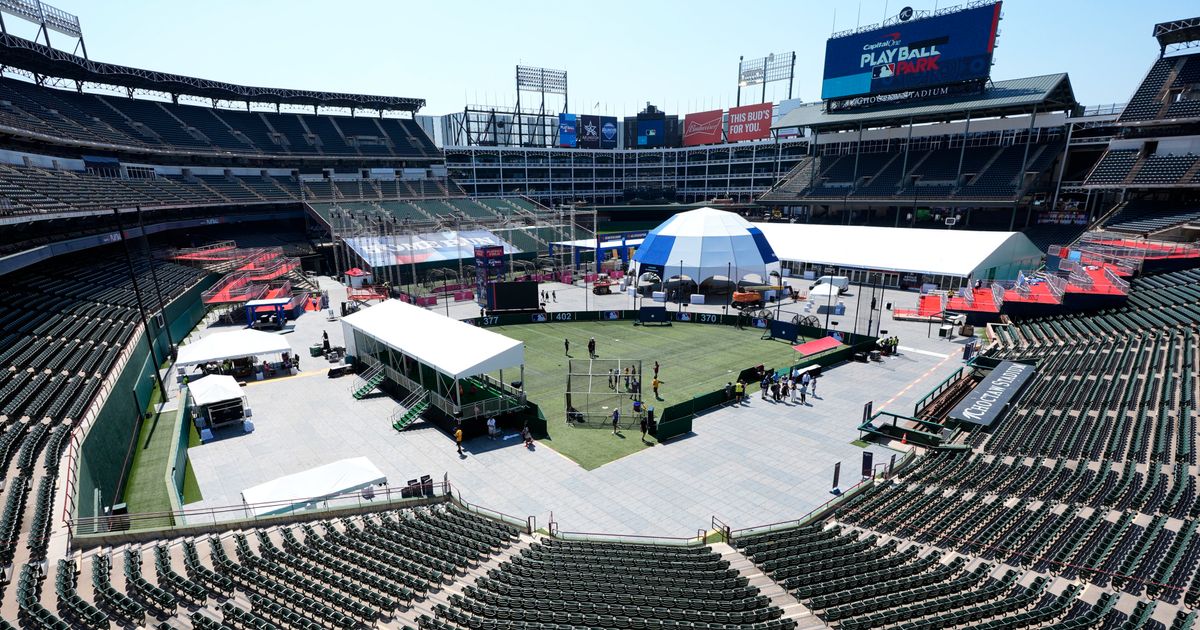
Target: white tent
x=214, y=388
x=232, y=345
x=315, y=484
x=824, y=290
x=958, y=253
x=704, y=243
x=447, y=345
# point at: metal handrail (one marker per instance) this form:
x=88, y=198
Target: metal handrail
x=382, y=499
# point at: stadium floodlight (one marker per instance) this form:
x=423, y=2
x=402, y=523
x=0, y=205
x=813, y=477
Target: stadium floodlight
x=541, y=80
x=47, y=18
x=773, y=67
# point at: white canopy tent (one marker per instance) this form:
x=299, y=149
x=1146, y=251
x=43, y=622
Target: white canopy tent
x=232, y=345
x=393, y=334
x=218, y=400
x=824, y=290
x=448, y=345
x=955, y=253
x=297, y=490
x=215, y=388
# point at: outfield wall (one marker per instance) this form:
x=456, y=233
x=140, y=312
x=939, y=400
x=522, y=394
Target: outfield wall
x=105, y=456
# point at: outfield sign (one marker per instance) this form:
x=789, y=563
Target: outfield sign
x=397, y=249
x=987, y=401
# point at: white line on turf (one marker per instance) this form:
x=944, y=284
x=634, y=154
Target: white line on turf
x=924, y=352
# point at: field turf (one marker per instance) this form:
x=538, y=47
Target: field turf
x=694, y=358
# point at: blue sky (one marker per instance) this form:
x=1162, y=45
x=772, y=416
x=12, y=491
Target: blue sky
x=682, y=56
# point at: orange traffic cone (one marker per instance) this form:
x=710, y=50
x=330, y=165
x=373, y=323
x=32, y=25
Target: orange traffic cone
x=904, y=439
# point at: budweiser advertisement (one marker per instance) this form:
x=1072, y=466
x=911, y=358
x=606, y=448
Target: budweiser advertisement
x=702, y=128
x=752, y=122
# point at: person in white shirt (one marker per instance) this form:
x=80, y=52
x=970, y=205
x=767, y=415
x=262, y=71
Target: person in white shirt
x=492, y=430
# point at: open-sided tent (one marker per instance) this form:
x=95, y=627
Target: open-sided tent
x=232, y=345
x=704, y=243
x=297, y=491
x=218, y=399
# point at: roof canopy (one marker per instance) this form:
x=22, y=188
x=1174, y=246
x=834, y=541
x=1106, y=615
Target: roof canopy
x=447, y=345
x=706, y=242
x=1051, y=92
x=44, y=60
x=214, y=388
x=903, y=250
x=314, y=484
x=232, y=345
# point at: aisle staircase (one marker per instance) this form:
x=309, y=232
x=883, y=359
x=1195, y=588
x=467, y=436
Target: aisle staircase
x=372, y=378
x=410, y=409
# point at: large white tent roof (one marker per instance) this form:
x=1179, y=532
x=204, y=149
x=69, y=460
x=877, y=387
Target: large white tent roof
x=330, y=480
x=448, y=345
x=904, y=250
x=214, y=388
x=232, y=345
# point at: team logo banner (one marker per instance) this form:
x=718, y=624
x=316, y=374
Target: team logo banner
x=587, y=132
x=702, y=128
x=752, y=122
x=608, y=132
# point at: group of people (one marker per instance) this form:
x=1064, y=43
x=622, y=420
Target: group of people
x=628, y=378
x=889, y=345
x=645, y=418
x=795, y=386
x=548, y=296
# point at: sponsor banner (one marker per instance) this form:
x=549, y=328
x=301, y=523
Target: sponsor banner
x=608, y=132
x=489, y=256
x=650, y=133
x=566, y=130
x=587, y=132
x=868, y=463
x=752, y=122
x=951, y=48
x=702, y=128
x=381, y=251
x=987, y=401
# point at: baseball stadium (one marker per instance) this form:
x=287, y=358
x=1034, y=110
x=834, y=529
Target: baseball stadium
x=923, y=352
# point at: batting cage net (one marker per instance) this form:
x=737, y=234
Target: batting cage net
x=597, y=386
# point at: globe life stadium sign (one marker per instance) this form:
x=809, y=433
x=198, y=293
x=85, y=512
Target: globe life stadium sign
x=987, y=401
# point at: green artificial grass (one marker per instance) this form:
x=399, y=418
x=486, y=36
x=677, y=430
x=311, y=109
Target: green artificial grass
x=191, y=488
x=146, y=490
x=694, y=358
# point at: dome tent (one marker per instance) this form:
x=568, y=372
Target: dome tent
x=703, y=243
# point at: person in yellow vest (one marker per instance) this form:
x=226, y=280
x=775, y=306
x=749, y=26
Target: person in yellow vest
x=458, y=438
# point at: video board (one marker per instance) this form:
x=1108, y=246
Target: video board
x=951, y=48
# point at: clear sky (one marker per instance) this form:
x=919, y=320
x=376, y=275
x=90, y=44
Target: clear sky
x=682, y=56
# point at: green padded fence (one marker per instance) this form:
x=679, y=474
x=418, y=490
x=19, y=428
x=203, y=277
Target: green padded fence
x=177, y=460
x=104, y=454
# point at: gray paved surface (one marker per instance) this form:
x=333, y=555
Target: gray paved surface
x=749, y=465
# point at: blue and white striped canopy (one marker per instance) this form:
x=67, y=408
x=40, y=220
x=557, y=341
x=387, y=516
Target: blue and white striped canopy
x=703, y=243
